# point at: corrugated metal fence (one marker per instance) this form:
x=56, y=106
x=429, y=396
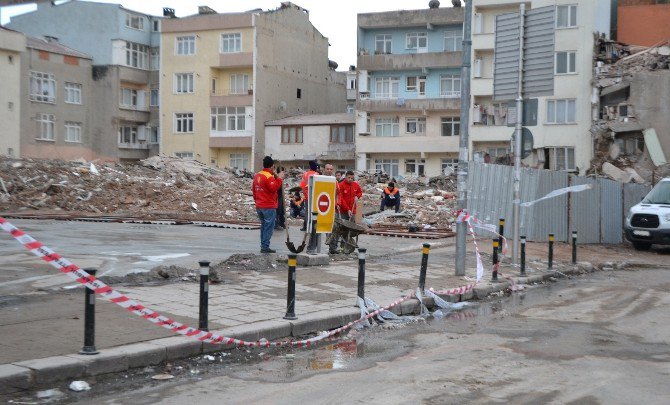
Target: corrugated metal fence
x=596, y=214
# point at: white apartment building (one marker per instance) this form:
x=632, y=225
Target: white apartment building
x=562, y=140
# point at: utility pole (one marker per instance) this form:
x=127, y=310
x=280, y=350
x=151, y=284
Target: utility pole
x=464, y=140
x=516, y=201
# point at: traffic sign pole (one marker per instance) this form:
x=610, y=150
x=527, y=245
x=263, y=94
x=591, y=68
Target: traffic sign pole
x=516, y=187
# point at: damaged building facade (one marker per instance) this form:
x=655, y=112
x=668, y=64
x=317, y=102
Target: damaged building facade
x=226, y=74
x=562, y=140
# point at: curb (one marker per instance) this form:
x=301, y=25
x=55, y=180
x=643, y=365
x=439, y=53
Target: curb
x=31, y=374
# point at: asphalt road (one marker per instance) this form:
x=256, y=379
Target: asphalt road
x=601, y=338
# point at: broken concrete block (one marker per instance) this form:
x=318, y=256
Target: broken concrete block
x=634, y=175
x=615, y=173
x=319, y=259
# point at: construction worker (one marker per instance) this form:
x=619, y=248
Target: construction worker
x=348, y=193
x=264, y=189
x=313, y=169
x=390, y=198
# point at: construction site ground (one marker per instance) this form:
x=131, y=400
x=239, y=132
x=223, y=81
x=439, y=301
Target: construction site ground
x=43, y=309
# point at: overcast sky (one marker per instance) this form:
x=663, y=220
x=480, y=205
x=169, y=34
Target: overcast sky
x=334, y=19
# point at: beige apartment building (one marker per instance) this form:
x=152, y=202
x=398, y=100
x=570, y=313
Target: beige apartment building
x=12, y=44
x=562, y=140
x=224, y=75
x=56, y=87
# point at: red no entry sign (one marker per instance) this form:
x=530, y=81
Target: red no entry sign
x=323, y=203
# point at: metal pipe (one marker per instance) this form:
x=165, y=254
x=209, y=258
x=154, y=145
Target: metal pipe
x=361, y=273
x=89, y=319
x=203, y=313
x=290, y=295
x=464, y=140
x=523, y=256
x=516, y=201
x=551, y=250
x=424, y=266
x=574, y=247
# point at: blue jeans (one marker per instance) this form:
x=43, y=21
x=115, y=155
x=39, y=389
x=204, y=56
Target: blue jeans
x=267, y=217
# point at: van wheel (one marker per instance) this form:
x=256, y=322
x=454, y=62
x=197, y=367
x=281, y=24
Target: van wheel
x=642, y=245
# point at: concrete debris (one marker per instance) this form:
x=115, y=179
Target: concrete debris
x=79, y=386
x=615, y=173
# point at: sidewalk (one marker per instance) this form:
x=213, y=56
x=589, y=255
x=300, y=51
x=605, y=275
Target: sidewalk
x=50, y=327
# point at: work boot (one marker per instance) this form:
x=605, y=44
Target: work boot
x=268, y=250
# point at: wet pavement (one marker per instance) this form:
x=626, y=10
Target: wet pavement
x=599, y=338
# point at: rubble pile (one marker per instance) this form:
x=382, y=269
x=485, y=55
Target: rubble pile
x=157, y=187
x=651, y=59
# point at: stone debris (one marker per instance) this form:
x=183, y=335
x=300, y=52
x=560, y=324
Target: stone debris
x=79, y=386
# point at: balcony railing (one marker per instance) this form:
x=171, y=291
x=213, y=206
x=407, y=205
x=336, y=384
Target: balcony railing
x=233, y=92
x=392, y=62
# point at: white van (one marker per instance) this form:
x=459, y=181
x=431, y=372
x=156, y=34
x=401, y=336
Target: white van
x=648, y=223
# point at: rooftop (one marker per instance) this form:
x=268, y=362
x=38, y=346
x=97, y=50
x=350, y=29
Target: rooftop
x=411, y=18
x=53, y=46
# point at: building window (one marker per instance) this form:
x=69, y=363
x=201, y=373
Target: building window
x=127, y=134
x=137, y=55
x=566, y=16
x=185, y=45
x=42, y=87
x=183, y=123
x=415, y=166
x=387, y=127
x=388, y=166
x=416, y=84
x=453, y=40
x=383, y=43
x=72, y=131
x=184, y=155
x=351, y=83
x=154, y=135
x=134, y=22
x=561, y=158
x=153, y=102
x=156, y=26
x=351, y=108
x=183, y=83
x=155, y=59
x=561, y=111
x=450, y=86
x=451, y=126
x=239, y=161
x=417, y=41
x=291, y=134
x=73, y=93
x=386, y=87
x=228, y=119
x=131, y=98
x=46, y=127
x=342, y=134
x=448, y=165
x=239, y=84
x=565, y=63
x=415, y=126
x=231, y=43
x=298, y=93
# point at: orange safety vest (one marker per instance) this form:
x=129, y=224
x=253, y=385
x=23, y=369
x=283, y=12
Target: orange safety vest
x=389, y=192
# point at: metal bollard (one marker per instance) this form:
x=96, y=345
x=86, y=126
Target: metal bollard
x=574, y=247
x=361, y=273
x=501, y=232
x=551, y=250
x=290, y=295
x=424, y=266
x=523, y=256
x=89, y=319
x=314, y=239
x=495, y=260
x=203, y=313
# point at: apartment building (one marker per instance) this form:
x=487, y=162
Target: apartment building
x=56, y=89
x=12, y=44
x=409, y=91
x=562, y=140
x=227, y=74
x=327, y=138
x=125, y=48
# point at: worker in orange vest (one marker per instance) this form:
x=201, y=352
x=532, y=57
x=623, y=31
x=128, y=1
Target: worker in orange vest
x=390, y=198
x=313, y=169
x=348, y=193
x=264, y=189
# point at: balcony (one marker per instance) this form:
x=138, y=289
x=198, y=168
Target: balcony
x=483, y=41
x=228, y=98
x=450, y=101
x=482, y=87
x=407, y=144
x=230, y=141
x=391, y=62
x=235, y=60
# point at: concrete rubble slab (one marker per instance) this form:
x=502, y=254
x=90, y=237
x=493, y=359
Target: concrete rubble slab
x=319, y=259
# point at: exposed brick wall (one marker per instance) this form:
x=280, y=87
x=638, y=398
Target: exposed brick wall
x=624, y=3
x=644, y=25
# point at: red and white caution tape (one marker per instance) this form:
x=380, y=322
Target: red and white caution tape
x=107, y=292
